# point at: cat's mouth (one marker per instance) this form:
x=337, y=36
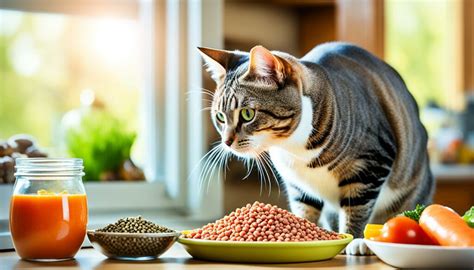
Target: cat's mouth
x=245, y=149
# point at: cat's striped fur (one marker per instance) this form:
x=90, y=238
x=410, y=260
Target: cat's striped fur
x=340, y=126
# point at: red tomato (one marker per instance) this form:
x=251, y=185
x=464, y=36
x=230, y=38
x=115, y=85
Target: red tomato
x=404, y=230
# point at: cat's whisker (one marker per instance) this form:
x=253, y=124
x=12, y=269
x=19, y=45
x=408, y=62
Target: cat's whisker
x=202, y=175
x=210, y=172
x=215, y=164
x=220, y=165
x=206, y=102
x=269, y=164
x=223, y=164
x=199, y=163
x=267, y=175
x=263, y=173
x=202, y=99
x=207, y=90
x=226, y=159
x=227, y=164
x=249, y=165
x=259, y=171
x=201, y=90
x=212, y=153
x=199, y=93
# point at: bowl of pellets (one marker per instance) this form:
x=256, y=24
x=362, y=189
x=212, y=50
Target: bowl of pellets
x=133, y=238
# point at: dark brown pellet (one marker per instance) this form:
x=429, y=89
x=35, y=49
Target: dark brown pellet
x=130, y=245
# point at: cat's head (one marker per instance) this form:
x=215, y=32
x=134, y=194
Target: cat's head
x=257, y=102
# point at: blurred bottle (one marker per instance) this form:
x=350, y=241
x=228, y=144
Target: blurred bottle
x=466, y=155
x=444, y=131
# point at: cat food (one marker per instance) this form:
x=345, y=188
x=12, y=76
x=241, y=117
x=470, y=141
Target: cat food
x=134, y=225
x=262, y=222
x=133, y=237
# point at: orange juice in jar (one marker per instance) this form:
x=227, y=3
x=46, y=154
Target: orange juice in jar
x=48, y=210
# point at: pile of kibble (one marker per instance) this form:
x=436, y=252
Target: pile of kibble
x=17, y=146
x=136, y=243
x=134, y=225
x=262, y=222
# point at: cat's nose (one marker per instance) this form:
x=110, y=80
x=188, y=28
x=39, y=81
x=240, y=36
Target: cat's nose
x=229, y=141
x=228, y=136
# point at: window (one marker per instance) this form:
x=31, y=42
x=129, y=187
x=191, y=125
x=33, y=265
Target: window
x=140, y=59
x=423, y=43
x=52, y=62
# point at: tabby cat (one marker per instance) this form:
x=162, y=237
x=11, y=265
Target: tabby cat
x=339, y=124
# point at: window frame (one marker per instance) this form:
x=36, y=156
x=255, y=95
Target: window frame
x=167, y=110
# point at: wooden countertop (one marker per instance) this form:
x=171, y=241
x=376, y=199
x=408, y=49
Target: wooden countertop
x=177, y=258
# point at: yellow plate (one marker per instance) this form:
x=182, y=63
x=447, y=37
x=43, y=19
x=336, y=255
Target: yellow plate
x=264, y=252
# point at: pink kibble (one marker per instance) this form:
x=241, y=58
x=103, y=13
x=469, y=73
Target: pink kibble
x=262, y=222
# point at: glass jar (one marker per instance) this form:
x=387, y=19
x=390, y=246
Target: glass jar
x=48, y=209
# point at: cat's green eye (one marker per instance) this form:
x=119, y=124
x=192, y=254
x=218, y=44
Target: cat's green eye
x=247, y=114
x=220, y=117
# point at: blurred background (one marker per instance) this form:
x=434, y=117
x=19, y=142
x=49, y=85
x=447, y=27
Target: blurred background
x=119, y=84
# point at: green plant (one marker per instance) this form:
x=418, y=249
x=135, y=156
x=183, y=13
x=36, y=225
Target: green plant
x=101, y=141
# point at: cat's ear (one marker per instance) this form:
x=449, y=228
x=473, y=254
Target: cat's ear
x=263, y=64
x=218, y=61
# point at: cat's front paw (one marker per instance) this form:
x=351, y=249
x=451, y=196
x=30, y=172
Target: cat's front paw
x=358, y=248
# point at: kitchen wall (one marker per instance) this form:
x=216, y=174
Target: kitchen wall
x=269, y=25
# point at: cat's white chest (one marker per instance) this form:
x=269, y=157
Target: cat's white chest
x=291, y=159
x=318, y=182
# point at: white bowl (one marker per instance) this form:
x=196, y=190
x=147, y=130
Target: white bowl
x=422, y=256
